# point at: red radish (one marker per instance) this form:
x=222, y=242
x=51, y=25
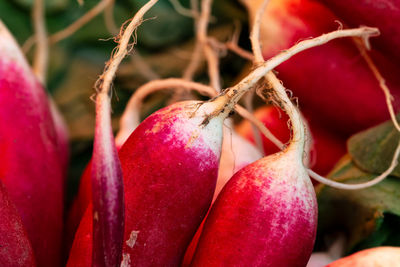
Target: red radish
x=15, y=248
x=264, y=209
x=236, y=151
x=62, y=136
x=275, y=120
x=107, y=187
x=170, y=166
x=81, y=252
x=265, y=216
x=378, y=13
x=108, y=206
x=326, y=148
x=373, y=257
x=327, y=97
x=31, y=170
x=268, y=206
x=78, y=206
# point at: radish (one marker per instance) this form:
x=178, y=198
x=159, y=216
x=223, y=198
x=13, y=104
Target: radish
x=326, y=148
x=268, y=206
x=31, y=170
x=264, y=210
x=156, y=201
x=328, y=97
x=379, y=13
x=379, y=256
x=169, y=166
x=266, y=215
x=62, y=136
x=15, y=248
x=236, y=151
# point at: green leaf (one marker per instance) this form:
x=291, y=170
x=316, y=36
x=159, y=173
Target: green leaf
x=369, y=217
x=372, y=150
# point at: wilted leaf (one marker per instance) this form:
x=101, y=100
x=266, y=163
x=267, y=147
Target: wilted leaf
x=372, y=150
x=369, y=217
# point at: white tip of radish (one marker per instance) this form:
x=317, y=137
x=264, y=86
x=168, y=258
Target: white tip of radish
x=9, y=48
x=209, y=133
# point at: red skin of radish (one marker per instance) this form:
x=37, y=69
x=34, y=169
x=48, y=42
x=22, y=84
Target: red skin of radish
x=31, y=170
x=78, y=207
x=334, y=85
x=62, y=137
x=275, y=120
x=379, y=256
x=266, y=215
x=377, y=13
x=169, y=180
x=15, y=248
x=326, y=149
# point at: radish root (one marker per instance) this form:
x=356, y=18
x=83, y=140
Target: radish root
x=107, y=184
x=41, y=55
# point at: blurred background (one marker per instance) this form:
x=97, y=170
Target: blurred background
x=165, y=42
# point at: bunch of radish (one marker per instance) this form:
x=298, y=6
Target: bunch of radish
x=183, y=187
x=168, y=186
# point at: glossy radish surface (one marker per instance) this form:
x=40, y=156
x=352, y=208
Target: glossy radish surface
x=31, y=169
x=15, y=249
x=170, y=165
x=265, y=216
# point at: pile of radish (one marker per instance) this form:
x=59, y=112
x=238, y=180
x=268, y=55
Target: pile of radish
x=188, y=185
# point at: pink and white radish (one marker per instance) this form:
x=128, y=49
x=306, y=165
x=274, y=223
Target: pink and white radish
x=236, y=151
x=31, y=169
x=267, y=207
x=170, y=167
x=264, y=210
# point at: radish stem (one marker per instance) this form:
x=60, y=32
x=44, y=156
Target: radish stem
x=298, y=137
x=236, y=92
x=107, y=185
